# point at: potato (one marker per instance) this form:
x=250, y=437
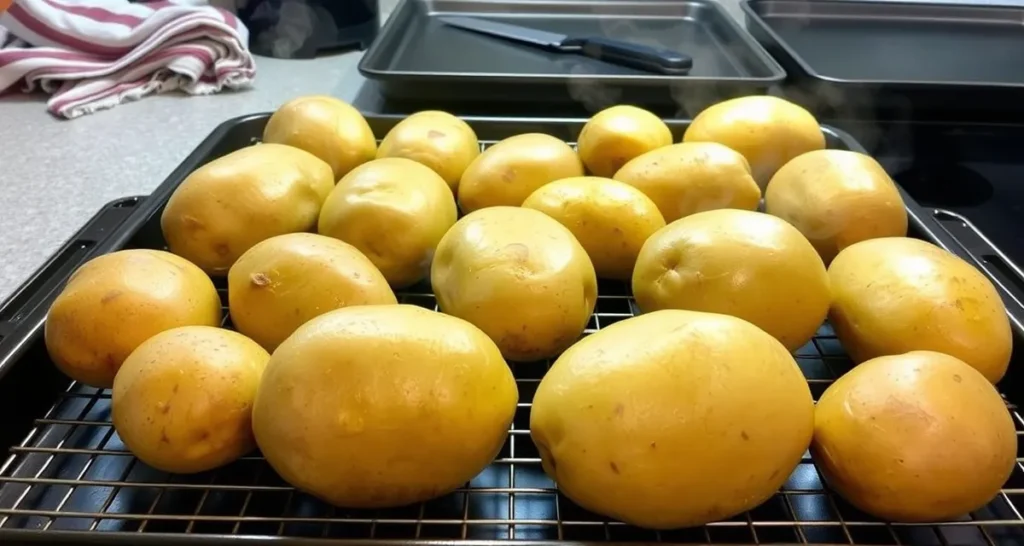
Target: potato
x=616, y=135
x=182, y=402
x=509, y=171
x=283, y=282
x=436, y=139
x=519, y=276
x=228, y=205
x=384, y=405
x=736, y=262
x=836, y=198
x=688, y=178
x=672, y=419
x=394, y=211
x=610, y=219
x=325, y=127
x=768, y=131
x=893, y=295
x=114, y=302
x=914, y=437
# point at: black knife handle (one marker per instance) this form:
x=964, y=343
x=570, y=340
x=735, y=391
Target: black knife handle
x=650, y=59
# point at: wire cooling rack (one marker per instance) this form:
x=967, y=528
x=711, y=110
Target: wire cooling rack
x=72, y=473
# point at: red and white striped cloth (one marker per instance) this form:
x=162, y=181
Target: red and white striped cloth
x=95, y=54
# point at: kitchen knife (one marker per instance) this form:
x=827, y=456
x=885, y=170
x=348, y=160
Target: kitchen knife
x=650, y=59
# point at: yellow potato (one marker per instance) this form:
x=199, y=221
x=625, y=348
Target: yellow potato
x=114, y=302
x=610, y=219
x=395, y=211
x=383, y=405
x=894, y=295
x=672, y=419
x=326, y=127
x=836, y=198
x=231, y=203
x=736, y=262
x=436, y=139
x=508, y=172
x=283, y=282
x=693, y=177
x=768, y=131
x=616, y=135
x=182, y=402
x=914, y=437
x=519, y=276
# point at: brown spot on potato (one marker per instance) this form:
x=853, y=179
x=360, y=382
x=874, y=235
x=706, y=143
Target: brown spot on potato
x=957, y=378
x=111, y=296
x=434, y=133
x=743, y=434
x=654, y=445
x=619, y=410
x=614, y=467
x=175, y=388
x=163, y=436
x=509, y=176
x=164, y=408
x=259, y=280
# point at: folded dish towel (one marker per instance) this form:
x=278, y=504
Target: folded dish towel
x=95, y=54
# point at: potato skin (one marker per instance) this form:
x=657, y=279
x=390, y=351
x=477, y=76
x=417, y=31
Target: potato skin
x=182, y=402
x=895, y=294
x=616, y=135
x=768, y=131
x=740, y=263
x=283, y=282
x=394, y=210
x=519, y=276
x=228, y=205
x=610, y=219
x=436, y=139
x=326, y=127
x=508, y=172
x=114, y=302
x=914, y=437
x=672, y=419
x=417, y=403
x=692, y=177
x=837, y=198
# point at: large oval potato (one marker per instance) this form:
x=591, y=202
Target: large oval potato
x=616, y=135
x=508, y=172
x=692, y=177
x=768, y=131
x=395, y=211
x=672, y=419
x=436, y=139
x=326, y=127
x=836, y=198
x=610, y=219
x=914, y=437
x=737, y=262
x=519, y=276
x=283, y=282
x=228, y=205
x=114, y=302
x=383, y=405
x=183, y=400
x=894, y=295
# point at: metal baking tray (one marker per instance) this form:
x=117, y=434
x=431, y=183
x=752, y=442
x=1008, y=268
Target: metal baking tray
x=856, y=58
x=69, y=480
x=418, y=58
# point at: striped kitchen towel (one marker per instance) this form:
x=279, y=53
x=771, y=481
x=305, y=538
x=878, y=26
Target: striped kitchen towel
x=95, y=54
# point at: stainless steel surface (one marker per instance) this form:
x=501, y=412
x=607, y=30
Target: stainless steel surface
x=510, y=32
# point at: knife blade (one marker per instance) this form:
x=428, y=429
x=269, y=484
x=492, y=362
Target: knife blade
x=641, y=57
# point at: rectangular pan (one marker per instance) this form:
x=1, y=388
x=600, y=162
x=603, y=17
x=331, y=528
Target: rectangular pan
x=418, y=58
x=69, y=480
x=850, y=59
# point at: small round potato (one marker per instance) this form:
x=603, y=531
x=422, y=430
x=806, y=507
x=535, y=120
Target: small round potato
x=182, y=402
x=283, y=282
x=508, y=172
x=519, y=276
x=395, y=211
x=116, y=301
x=610, y=219
x=233, y=202
x=436, y=139
x=326, y=127
x=616, y=135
